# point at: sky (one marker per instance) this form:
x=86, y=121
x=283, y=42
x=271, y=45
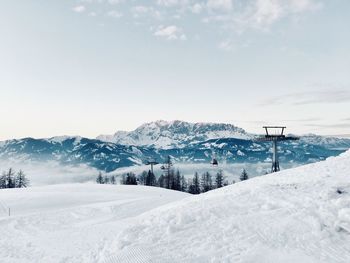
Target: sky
x=91, y=67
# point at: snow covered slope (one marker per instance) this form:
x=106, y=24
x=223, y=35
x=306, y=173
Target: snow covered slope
x=298, y=215
x=175, y=134
x=70, y=223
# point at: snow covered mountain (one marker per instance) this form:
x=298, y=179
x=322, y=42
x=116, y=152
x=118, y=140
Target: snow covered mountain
x=326, y=141
x=175, y=134
x=109, y=156
x=185, y=142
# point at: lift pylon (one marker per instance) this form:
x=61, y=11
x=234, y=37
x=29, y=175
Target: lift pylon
x=275, y=134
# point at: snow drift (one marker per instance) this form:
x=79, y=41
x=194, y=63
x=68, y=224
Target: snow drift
x=297, y=215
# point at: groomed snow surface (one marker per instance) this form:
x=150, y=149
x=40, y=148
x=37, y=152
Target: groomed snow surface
x=298, y=215
x=70, y=223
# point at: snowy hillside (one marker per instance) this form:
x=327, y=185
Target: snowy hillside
x=175, y=134
x=70, y=223
x=298, y=215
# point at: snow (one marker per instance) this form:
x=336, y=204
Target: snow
x=72, y=222
x=297, y=215
x=60, y=139
x=167, y=135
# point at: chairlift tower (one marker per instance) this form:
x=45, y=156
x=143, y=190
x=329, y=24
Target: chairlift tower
x=166, y=167
x=151, y=162
x=275, y=134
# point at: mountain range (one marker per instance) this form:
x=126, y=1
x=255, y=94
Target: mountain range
x=185, y=142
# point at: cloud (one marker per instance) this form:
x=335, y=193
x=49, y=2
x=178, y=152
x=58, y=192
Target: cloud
x=197, y=8
x=230, y=17
x=170, y=33
x=172, y=3
x=221, y=5
x=114, y=13
x=328, y=96
x=51, y=172
x=115, y=2
x=79, y=9
x=226, y=45
x=303, y=120
x=333, y=125
x=145, y=11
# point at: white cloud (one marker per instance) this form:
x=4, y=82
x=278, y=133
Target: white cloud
x=267, y=12
x=197, y=8
x=228, y=16
x=79, y=9
x=145, y=11
x=170, y=33
x=114, y=2
x=114, y=13
x=226, y=45
x=172, y=3
x=221, y=5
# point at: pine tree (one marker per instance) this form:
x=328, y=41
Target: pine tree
x=3, y=180
x=191, y=189
x=123, y=180
x=219, y=179
x=162, y=181
x=171, y=179
x=131, y=179
x=106, y=180
x=183, y=184
x=150, y=179
x=143, y=178
x=206, y=182
x=176, y=184
x=196, y=184
x=21, y=180
x=113, y=179
x=99, y=178
x=244, y=176
x=10, y=179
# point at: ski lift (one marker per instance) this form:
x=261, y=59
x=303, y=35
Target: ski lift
x=214, y=162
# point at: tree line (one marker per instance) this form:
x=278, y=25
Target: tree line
x=174, y=180
x=11, y=179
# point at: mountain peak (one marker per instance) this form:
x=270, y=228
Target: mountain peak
x=175, y=134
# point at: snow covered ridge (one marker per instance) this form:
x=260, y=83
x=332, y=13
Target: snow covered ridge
x=106, y=156
x=297, y=215
x=175, y=134
x=185, y=142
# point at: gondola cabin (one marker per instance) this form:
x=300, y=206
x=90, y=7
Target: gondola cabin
x=214, y=162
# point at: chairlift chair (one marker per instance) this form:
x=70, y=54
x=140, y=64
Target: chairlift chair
x=214, y=162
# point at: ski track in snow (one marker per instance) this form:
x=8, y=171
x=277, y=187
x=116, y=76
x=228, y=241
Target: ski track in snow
x=71, y=223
